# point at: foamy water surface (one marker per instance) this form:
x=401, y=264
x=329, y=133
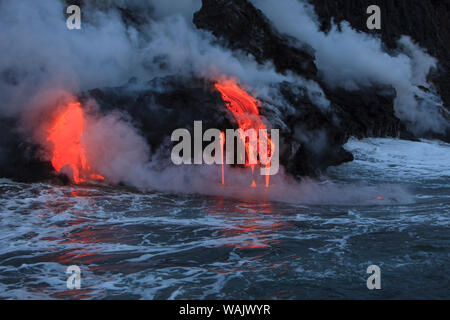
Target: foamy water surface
x=136, y=245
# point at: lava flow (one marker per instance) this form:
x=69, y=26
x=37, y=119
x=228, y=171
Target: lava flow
x=68, y=151
x=245, y=110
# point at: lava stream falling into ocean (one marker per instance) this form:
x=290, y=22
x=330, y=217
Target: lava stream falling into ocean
x=68, y=151
x=245, y=110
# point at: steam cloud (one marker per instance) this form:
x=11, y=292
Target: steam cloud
x=42, y=63
x=353, y=60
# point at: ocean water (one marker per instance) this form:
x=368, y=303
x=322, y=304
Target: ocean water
x=134, y=245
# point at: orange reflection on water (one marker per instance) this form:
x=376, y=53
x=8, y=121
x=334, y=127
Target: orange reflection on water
x=249, y=227
x=79, y=237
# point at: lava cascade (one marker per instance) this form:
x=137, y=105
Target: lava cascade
x=244, y=108
x=68, y=151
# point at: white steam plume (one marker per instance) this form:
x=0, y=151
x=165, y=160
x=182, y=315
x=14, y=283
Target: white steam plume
x=353, y=60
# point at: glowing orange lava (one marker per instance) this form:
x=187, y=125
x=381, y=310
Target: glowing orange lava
x=68, y=151
x=245, y=110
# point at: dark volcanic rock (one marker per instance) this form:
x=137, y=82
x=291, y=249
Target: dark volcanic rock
x=312, y=141
x=246, y=28
x=159, y=107
x=19, y=159
x=367, y=113
x=316, y=138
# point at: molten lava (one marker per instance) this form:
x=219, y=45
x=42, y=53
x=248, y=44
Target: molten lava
x=245, y=110
x=68, y=150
